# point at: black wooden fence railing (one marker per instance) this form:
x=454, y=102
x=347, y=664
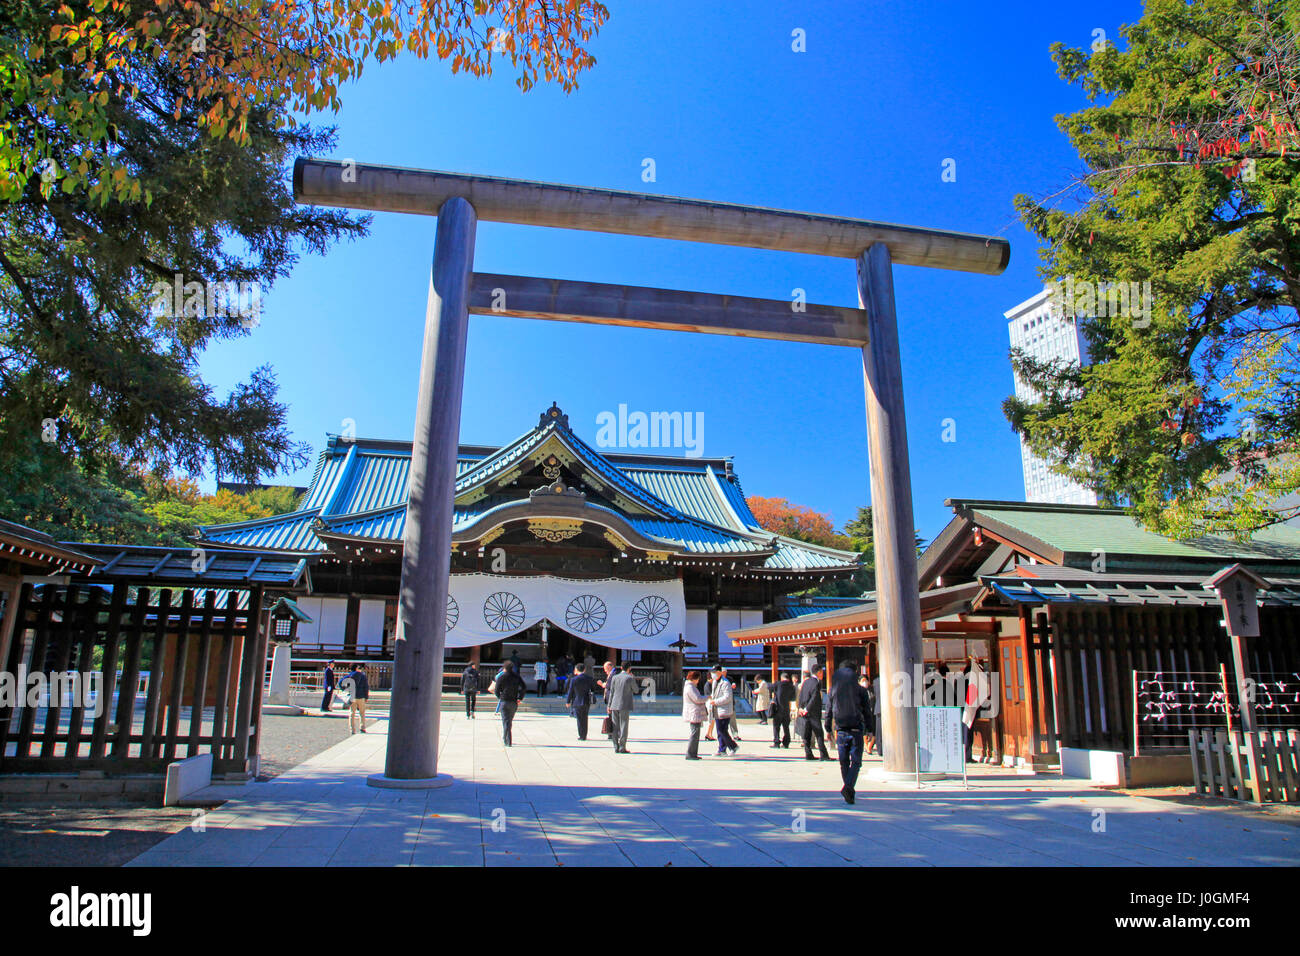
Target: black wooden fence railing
x=202, y=692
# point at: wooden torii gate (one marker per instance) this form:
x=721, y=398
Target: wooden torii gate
x=456, y=292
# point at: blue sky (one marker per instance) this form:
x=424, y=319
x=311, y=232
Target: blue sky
x=858, y=125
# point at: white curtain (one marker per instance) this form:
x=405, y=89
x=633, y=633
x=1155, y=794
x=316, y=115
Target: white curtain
x=642, y=615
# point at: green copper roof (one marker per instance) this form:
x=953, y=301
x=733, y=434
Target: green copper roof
x=1085, y=530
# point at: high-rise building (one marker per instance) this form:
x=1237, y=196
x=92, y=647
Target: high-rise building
x=1046, y=334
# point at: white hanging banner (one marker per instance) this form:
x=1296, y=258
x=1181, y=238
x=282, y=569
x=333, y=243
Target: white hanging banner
x=642, y=615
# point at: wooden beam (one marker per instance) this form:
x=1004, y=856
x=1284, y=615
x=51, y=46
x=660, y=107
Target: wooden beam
x=422, y=191
x=638, y=307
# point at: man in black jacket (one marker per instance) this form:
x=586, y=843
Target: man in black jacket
x=782, y=698
x=510, y=691
x=847, y=714
x=810, y=709
x=582, y=690
x=469, y=687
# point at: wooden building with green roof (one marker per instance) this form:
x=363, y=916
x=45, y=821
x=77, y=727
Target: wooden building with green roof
x=1101, y=634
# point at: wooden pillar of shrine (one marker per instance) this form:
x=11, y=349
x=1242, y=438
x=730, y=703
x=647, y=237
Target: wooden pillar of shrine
x=898, y=598
x=412, y=757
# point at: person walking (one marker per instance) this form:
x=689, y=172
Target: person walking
x=878, y=739
x=873, y=725
x=540, y=671
x=733, y=728
x=510, y=690
x=713, y=717
x=621, y=692
x=977, y=694
x=846, y=715
x=581, y=692
x=329, y=688
x=358, y=687
x=782, y=696
x=724, y=708
x=469, y=687
x=604, y=687
x=762, y=698
x=810, y=711
x=695, y=710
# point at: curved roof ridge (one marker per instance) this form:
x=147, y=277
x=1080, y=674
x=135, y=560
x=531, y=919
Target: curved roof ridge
x=716, y=485
x=258, y=522
x=818, y=548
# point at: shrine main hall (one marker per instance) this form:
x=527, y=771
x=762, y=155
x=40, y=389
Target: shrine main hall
x=557, y=548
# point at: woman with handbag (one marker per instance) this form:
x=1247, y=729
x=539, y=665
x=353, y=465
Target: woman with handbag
x=694, y=711
x=713, y=717
x=762, y=699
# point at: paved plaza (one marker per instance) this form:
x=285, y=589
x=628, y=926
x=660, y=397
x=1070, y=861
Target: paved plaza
x=552, y=800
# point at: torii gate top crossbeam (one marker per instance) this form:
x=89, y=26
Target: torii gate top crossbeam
x=421, y=191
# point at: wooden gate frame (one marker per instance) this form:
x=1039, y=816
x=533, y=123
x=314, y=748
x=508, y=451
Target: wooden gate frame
x=459, y=201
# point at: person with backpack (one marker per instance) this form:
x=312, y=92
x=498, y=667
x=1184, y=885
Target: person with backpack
x=510, y=689
x=847, y=716
x=357, y=686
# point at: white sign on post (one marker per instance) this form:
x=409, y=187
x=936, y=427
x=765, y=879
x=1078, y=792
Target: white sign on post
x=940, y=740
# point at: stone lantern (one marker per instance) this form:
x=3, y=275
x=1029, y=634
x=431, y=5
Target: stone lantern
x=285, y=616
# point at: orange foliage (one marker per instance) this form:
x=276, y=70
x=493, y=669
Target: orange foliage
x=795, y=521
x=236, y=55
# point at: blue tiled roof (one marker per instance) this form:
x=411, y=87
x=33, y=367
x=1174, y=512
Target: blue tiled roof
x=287, y=532
x=794, y=555
x=791, y=607
x=360, y=487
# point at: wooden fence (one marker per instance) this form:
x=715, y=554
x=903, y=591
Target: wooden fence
x=204, y=666
x=1094, y=652
x=1264, y=766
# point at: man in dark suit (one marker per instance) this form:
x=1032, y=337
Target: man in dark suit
x=782, y=698
x=621, y=692
x=810, y=709
x=329, y=688
x=582, y=690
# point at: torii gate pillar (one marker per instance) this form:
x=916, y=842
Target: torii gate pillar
x=898, y=603
x=412, y=756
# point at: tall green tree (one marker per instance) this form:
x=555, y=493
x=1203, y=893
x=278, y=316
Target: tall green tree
x=1189, y=409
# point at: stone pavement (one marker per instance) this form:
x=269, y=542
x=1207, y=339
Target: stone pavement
x=552, y=800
